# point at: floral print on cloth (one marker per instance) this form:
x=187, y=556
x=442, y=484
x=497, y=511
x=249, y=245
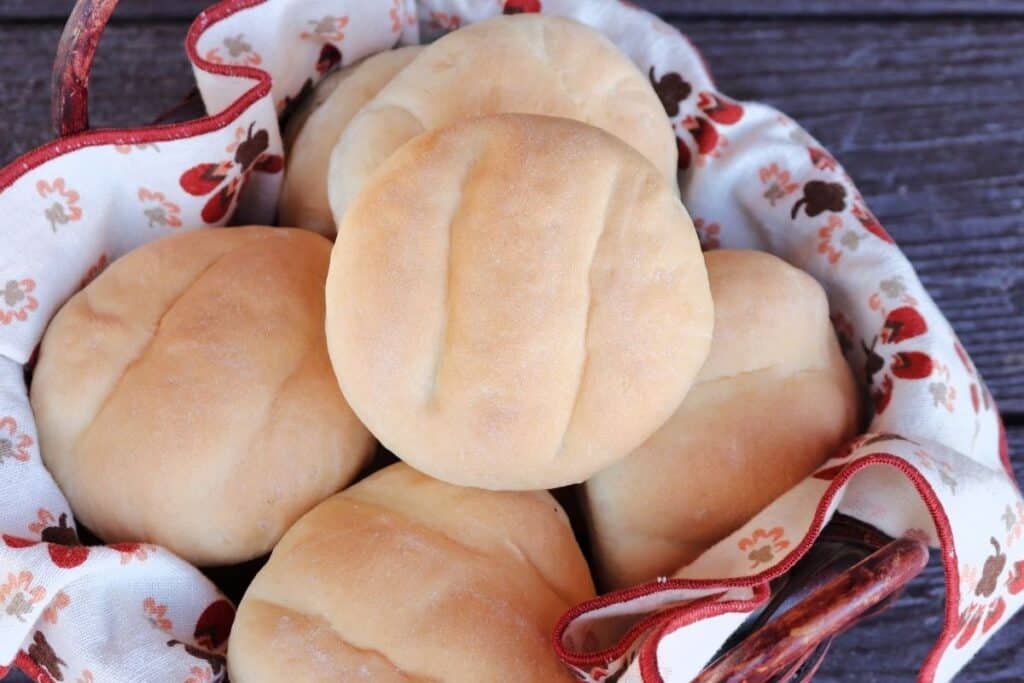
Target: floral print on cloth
x=933, y=466
x=161, y=619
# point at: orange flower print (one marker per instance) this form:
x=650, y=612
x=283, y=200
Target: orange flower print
x=199, y=674
x=1013, y=518
x=941, y=467
x=127, y=149
x=94, y=270
x=157, y=615
x=969, y=576
x=158, y=210
x=445, y=22
x=707, y=233
x=763, y=545
x=59, y=602
x=16, y=300
x=326, y=29
x=44, y=519
x=18, y=597
x=238, y=52
x=63, y=207
x=13, y=444
x=778, y=181
x=400, y=14
x=848, y=239
x=132, y=551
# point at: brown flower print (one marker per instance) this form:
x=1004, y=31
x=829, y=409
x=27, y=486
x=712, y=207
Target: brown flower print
x=778, y=181
x=157, y=615
x=159, y=211
x=13, y=444
x=763, y=545
x=671, y=90
x=63, y=206
x=42, y=654
x=18, y=596
x=224, y=180
x=819, y=197
x=239, y=51
x=326, y=28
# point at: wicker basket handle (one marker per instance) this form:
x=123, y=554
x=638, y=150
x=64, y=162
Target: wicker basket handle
x=69, y=84
x=781, y=647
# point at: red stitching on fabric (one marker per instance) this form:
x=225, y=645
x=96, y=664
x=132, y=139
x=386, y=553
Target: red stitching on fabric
x=943, y=530
x=175, y=131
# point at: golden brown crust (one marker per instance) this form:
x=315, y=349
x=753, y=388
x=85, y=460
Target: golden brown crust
x=774, y=400
x=303, y=202
x=508, y=312
x=373, y=577
x=185, y=397
x=531, y=64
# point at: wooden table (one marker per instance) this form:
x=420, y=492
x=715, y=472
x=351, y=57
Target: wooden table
x=921, y=100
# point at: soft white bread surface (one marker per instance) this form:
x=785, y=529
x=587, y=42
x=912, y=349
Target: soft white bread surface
x=516, y=301
x=528, y=63
x=405, y=578
x=336, y=100
x=773, y=401
x=185, y=397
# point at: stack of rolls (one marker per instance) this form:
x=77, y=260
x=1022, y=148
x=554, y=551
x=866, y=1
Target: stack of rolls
x=515, y=301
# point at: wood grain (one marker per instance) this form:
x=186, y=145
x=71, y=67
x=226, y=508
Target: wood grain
x=924, y=115
x=149, y=10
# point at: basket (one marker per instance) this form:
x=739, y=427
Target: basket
x=932, y=469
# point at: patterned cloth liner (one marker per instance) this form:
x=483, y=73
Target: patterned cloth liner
x=933, y=465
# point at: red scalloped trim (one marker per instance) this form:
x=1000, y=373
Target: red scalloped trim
x=675, y=619
x=175, y=131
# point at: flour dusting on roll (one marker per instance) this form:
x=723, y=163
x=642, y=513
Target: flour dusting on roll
x=774, y=400
x=516, y=301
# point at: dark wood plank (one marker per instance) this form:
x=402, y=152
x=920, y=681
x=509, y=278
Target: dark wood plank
x=140, y=72
x=924, y=115
x=186, y=9
x=891, y=646
x=819, y=8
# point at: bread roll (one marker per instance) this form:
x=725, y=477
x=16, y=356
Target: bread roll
x=529, y=63
x=405, y=578
x=303, y=201
x=308, y=104
x=185, y=397
x=515, y=302
x=773, y=401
